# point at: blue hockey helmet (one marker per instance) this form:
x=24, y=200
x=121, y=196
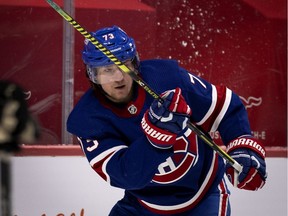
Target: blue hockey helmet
x=116, y=41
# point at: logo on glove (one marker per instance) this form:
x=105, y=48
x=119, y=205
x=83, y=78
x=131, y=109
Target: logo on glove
x=247, y=142
x=153, y=133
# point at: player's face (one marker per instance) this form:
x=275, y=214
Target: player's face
x=117, y=84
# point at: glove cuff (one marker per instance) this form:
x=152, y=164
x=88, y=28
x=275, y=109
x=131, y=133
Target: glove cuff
x=247, y=142
x=157, y=136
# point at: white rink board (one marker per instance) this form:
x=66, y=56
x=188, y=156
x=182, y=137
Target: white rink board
x=66, y=186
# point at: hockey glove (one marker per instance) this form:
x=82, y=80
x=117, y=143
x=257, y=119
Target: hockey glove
x=163, y=121
x=250, y=153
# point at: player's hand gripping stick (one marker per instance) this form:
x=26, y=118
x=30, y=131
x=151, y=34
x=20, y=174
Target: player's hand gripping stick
x=162, y=122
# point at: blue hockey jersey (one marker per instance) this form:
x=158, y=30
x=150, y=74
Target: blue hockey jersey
x=164, y=181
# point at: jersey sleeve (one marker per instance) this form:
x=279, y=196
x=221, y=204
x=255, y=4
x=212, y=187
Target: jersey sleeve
x=125, y=167
x=215, y=107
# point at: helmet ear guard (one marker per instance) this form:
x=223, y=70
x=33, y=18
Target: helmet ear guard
x=136, y=61
x=91, y=74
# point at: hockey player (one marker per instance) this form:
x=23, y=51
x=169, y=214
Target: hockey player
x=16, y=127
x=145, y=147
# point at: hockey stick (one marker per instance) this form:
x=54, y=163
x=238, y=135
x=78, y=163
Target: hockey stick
x=141, y=82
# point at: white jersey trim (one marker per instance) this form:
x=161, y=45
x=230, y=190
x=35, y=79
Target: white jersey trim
x=212, y=106
x=223, y=110
x=103, y=155
x=192, y=200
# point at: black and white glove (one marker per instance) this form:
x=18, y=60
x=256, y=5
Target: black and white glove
x=162, y=122
x=250, y=153
x=16, y=124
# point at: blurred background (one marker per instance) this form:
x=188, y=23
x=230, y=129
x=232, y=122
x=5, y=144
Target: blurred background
x=241, y=44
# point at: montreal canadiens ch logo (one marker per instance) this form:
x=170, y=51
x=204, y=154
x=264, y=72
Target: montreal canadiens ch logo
x=132, y=109
x=185, y=157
